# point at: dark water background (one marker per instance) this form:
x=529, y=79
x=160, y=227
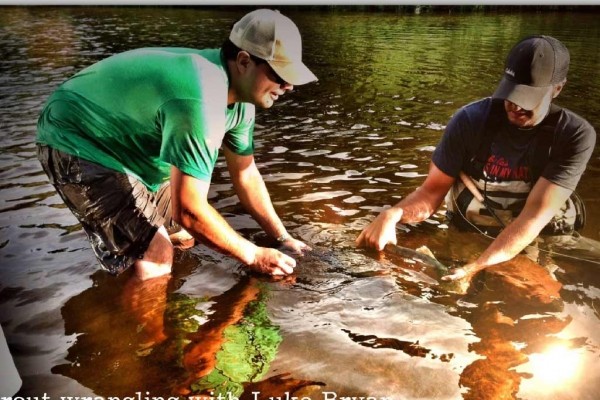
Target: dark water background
x=332, y=153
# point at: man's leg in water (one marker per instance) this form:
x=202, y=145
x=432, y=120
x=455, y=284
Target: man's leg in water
x=158, y=258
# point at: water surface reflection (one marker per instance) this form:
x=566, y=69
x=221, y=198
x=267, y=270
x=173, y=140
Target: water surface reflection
x=351, y=321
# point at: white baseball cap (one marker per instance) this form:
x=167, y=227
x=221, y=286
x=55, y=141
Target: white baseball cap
x=272, y=36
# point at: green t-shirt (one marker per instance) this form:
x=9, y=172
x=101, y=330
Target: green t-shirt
x=141, y=111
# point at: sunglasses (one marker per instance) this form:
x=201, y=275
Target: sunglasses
x=271, y=72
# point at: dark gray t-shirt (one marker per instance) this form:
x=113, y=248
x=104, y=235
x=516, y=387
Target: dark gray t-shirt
x=510, y=151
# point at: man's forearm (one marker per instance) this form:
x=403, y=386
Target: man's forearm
x=542, y=204
x=254, y=196
x=210, y=225
x=417, y=206
x=510, y=242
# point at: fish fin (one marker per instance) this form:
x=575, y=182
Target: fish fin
x=425, y=250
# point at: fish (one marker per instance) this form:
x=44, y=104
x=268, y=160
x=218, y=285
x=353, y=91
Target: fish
x=330, y=269
x=422, y=254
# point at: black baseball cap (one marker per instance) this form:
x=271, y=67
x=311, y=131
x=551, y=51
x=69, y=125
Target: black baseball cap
x=532, y=67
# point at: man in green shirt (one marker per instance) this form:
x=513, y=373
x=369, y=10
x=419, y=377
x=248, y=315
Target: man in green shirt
x=130, y=144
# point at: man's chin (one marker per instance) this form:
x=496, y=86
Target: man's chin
x=265, y=104
x=520, y=122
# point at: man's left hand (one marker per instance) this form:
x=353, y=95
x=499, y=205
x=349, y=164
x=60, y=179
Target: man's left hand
x=295, y=246
x=466, y=273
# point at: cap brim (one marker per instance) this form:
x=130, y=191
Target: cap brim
x=295, y=73
x=527, y=97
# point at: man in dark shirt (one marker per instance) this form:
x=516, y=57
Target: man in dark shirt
x=510, y=162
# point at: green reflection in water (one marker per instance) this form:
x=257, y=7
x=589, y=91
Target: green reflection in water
x=246, y=354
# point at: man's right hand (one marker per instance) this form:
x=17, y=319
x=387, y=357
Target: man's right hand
x=272, y=262
x=381, y=231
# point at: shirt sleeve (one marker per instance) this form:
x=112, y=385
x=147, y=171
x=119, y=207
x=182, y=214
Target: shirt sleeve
x=192, y=132
x=240, y=137
x=571, y=151
x=461, y=139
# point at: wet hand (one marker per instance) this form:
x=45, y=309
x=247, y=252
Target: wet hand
x=295, y=246
x=459, y=280
x=379, y=232
x=457, y=273
x=466, y=272
x=272, y=262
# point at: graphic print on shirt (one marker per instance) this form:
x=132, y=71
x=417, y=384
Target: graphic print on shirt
x=508, y=161
x=498, y=168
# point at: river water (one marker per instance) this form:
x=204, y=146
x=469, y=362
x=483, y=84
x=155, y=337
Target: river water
x=350, y=322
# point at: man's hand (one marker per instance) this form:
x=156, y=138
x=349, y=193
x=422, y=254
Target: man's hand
x=295, y=246
x=416, y=207
x=381, y=231
x=466, y=272
x=459, y=280
x=272, y=262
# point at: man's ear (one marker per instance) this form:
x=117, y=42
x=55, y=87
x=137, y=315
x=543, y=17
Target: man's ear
x=243, y=61
x=558, y=88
